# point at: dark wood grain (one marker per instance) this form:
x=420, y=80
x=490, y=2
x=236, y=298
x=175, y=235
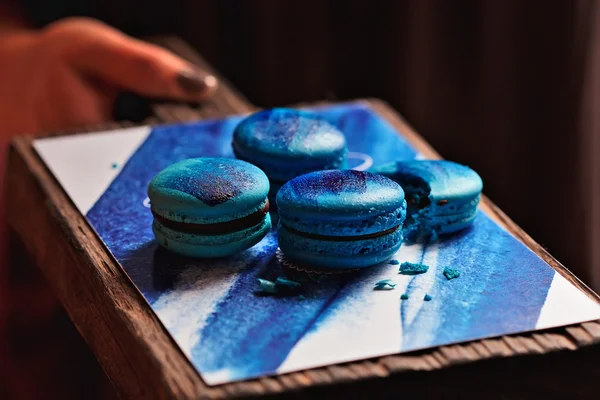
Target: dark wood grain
x=142, y=360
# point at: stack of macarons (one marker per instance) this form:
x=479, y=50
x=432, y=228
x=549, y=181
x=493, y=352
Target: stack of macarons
x=330, y=218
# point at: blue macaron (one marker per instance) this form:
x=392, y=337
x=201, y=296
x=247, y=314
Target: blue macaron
x=442, y=195
x=340, y=219
x=210, y=207
x=286, y=143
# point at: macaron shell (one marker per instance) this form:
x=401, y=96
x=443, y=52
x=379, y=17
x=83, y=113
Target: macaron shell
x=210, y=246
x=288, y=136
x=339, y=194
x=208, y=190
x=339, y=254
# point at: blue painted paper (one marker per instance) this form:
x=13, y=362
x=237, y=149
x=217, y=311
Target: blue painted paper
x=234, y=332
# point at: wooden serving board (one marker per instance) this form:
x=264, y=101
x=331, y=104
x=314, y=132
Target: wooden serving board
x=143, y=361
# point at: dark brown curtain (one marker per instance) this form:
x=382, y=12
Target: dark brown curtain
x=494, y=84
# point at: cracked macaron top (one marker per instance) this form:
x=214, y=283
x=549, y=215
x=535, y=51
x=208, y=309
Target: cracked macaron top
x=444, y=185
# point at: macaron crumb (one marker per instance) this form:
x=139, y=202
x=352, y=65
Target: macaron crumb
x=280, y=286
x=408, y=268
x=404, y=297
x=451, y=273
x=433, y=236
x=427, y=297
x=394, y=262
x=287, y=285
x=385, y=284
x=114, y=165
x=267, y=286
x=301, y=297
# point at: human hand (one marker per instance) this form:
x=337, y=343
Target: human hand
x=69, y=74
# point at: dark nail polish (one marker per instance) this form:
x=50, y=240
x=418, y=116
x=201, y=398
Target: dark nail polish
x=196, y=82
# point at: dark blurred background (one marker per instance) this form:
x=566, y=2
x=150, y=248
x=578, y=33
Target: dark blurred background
x=498, y=85
x=508, y=87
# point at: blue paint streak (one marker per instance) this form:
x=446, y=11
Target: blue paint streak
x=251, y=334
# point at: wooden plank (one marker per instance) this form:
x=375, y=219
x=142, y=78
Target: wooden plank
x=134, y=348
x=109, y=312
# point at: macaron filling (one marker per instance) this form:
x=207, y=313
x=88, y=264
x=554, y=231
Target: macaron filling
x=210, y=246
x=340, y=238
x=219, y=228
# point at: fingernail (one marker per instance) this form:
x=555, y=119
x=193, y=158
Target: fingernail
x=196, y=82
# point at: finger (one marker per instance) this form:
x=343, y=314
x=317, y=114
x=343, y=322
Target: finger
x=100, y=51
x=76, y=103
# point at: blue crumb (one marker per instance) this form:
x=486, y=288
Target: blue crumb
x=451, y=273
x=286, y=284
x=394, y=262
x=408, y=268
x=267, y=286
x=427, y=297
x=433, y=236
x=114, y=165
x=385, y=284
x=280, y=286
x=404, y=297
